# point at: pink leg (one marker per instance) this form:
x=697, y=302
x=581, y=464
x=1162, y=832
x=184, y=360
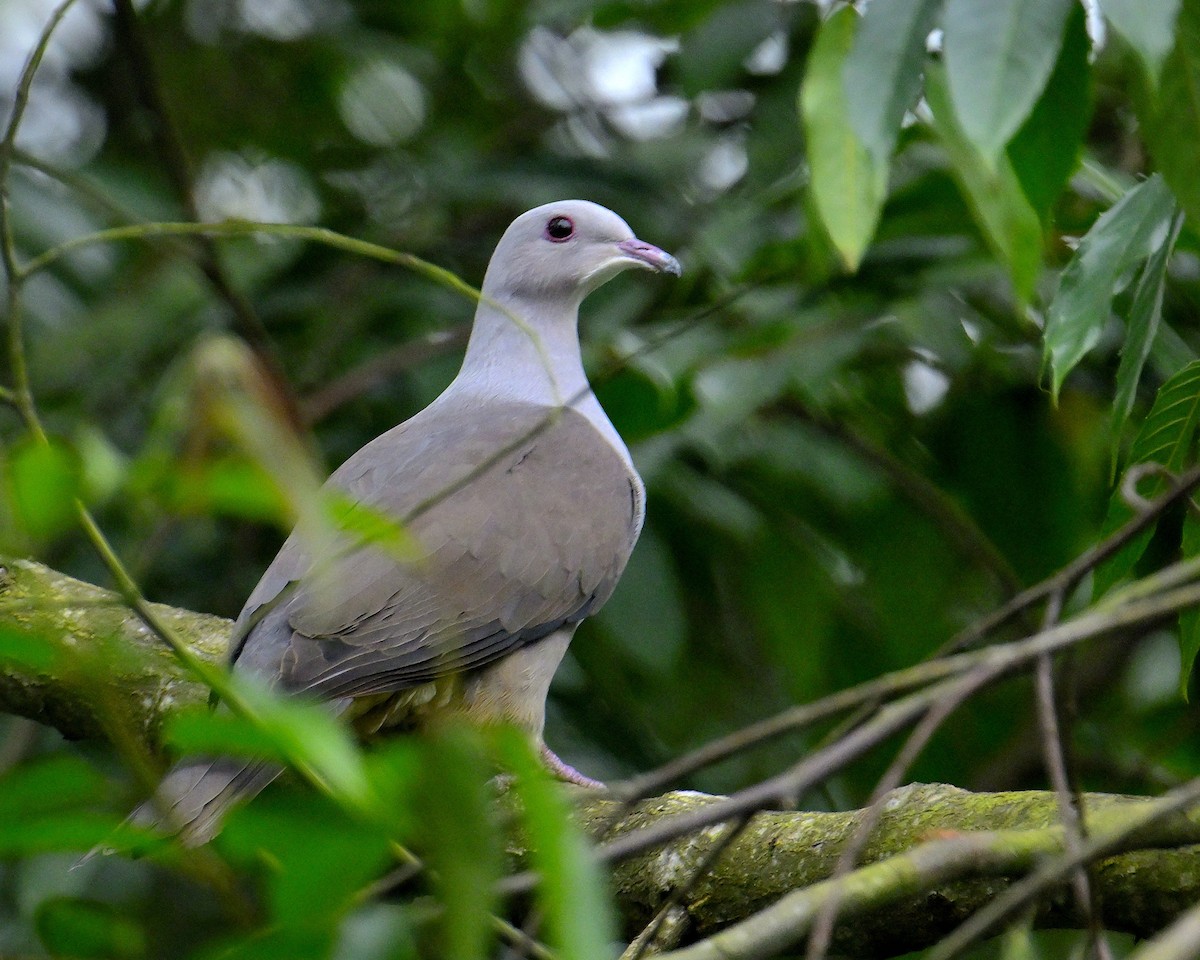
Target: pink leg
x=564, y=771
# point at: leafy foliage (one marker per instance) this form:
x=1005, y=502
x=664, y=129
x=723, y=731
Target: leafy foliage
x=897, y=229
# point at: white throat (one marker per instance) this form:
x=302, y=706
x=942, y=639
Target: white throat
x=516, y=352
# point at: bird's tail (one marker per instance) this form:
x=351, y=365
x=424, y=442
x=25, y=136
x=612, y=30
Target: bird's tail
x=196, y=795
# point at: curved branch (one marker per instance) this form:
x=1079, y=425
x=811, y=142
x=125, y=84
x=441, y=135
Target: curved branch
x=938, y=854
x=70, y=651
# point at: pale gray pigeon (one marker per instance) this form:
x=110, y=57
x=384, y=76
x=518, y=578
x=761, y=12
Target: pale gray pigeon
x=524, y=502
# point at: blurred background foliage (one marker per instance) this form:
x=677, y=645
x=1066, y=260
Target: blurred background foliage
x=887, y=392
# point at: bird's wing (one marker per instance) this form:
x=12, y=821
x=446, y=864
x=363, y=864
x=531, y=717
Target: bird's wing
x=525, y=515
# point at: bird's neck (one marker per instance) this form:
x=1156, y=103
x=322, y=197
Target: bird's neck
x=518, y=352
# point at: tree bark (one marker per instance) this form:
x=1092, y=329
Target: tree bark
x=72, y=653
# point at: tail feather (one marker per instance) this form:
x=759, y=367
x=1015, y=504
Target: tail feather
x=194, y=797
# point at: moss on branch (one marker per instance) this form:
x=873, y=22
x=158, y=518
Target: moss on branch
x=72, y=656
x=1139, y=892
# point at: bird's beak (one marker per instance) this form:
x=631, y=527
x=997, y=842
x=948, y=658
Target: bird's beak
x=648, y=255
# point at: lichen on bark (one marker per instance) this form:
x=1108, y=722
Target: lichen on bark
x=73, y=656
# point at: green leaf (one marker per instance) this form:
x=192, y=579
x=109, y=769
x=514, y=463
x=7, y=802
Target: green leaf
x=1146, y=25
x=882, y=73
x=305, y=734
x=70, y=927
x=1144, y=317
x=999, y=55
x=1008, y=222
x=369, y=525
x=1171, y=120
x=320, y=861
x=57, y=782
x=460, y=840
x=1120, y=239
x=1189, y=620
x=67, y=830
x=579, y=921
x=1045, y=151
x=847, y=184
x=643, y=401
x=1168, y=437
x=43, y=480
x=306, y=940
x=239, y=488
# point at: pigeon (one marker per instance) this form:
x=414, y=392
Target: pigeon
x=524, y=505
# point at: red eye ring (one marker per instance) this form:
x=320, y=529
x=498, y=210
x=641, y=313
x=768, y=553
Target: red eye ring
x=559, y=229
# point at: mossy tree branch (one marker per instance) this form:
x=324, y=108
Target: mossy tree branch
x=69, y=651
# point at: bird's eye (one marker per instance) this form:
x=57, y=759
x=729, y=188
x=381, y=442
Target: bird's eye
x=559, y=229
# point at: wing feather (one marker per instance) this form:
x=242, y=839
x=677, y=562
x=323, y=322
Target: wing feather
x=526, y=522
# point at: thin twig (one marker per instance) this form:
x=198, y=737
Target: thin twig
x=997, y=661
x=358, y=380
x=169, y=148
x=1100, y=844
x=1077, y=569
x=777, y=928
x=826, y=919
x=21, y=397
x=668, y=908
x=522, y=941
x=663, y=932
x=1179, y=941
x=1070, y=810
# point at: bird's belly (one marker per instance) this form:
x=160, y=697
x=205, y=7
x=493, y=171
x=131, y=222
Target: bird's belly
x=512, y=690
x=408, y=709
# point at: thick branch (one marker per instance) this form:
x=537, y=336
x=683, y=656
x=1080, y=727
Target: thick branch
x=70, y=652
x=914, y=903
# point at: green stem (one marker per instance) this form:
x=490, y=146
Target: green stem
x=246, y=228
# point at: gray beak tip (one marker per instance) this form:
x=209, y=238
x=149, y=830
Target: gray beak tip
x=650, y=256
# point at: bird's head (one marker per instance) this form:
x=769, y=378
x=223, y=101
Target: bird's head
x=565, y=250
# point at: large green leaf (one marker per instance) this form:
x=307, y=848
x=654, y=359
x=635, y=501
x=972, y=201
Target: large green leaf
x=1045, y=151
x=305, y=734
x=1119, y=240
x=43, y=481
x=1005, y=217
x=51, y=783
x=847, y=184
x=579, y=922
x=1146, y=25
x=68, y=830
x=461, y=844
x=1168, y=438
x=1189, y=620
x=883, y=70
x=1171, y=119
x=1144, y=317
x=321, y=860
x=70, y=927
x=999, y=54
